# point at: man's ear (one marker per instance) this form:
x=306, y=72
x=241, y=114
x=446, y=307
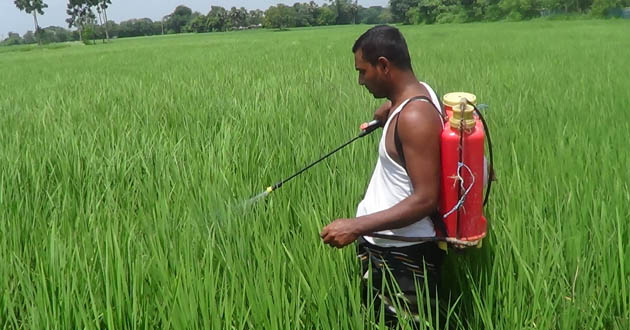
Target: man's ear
x=384, y=64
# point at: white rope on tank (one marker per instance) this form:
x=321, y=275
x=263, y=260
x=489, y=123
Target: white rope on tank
x=459, y=177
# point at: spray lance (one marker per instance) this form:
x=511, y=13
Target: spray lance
x=366, y=129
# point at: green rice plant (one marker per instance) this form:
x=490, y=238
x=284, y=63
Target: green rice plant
x=125, y=167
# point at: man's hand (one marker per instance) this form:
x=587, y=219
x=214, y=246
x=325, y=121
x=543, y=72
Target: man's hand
x=340, y=233
x=382, y=113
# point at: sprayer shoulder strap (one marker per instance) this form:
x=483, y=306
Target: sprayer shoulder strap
x=397, y=141
x=436, y=217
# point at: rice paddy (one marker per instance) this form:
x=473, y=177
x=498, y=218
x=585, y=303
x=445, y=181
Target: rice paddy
x=124, y=166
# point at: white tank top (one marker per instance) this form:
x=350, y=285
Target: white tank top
x=389, y=185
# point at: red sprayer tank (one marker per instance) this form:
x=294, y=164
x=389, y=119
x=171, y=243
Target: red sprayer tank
x=461, y=202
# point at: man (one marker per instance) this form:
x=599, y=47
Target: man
x=404, y=190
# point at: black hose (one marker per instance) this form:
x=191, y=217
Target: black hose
x=491, y=166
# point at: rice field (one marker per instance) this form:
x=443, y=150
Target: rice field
x=125, y=166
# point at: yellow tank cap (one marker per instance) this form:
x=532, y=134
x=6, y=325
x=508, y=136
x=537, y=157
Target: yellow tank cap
x=452, y=99
x=462, y=116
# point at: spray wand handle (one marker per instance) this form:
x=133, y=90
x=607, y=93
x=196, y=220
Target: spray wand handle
x=367, y=128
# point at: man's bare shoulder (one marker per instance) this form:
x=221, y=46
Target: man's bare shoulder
x=420, y=117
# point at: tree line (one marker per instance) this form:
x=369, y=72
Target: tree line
x=89, y=17
x=463, y=11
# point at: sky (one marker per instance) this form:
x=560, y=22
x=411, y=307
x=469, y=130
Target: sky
x=14, y=20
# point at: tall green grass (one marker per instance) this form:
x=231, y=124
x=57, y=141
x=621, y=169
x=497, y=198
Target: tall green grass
x=124, y=168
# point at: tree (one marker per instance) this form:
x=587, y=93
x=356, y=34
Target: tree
x=143, y=27
x=599, y=8
x=386, y=17
x=256, y=17
x=280, y=17
x=305, y=13
x=237, y=17
x=112, y=29
x=177, y=20
x=196, y=18
x=371, y=15
x=491, y=10
x=137, y=27
x=157, y=28
x=521, y=9
x=428, y=11
x=327, y=16
x=34, y=7
x=198, y=24
x=55, y=34
x=29, y=37
x=12, y=39
x=101, y=7
x=412, y=16
x=346, y=11
x=399, y=9
x=217, y=19
x=82, y=17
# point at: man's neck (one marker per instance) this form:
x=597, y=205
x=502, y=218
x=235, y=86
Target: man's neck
x=406, y=86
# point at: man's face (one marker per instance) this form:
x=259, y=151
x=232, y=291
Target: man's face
x=370, y=76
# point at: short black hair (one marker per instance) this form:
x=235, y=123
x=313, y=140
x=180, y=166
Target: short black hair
x=385, y=41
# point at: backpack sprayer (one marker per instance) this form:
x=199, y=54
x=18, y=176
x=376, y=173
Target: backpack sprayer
x=460, y=221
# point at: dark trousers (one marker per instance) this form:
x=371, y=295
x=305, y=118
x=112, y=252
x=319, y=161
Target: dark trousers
x=399, y=277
